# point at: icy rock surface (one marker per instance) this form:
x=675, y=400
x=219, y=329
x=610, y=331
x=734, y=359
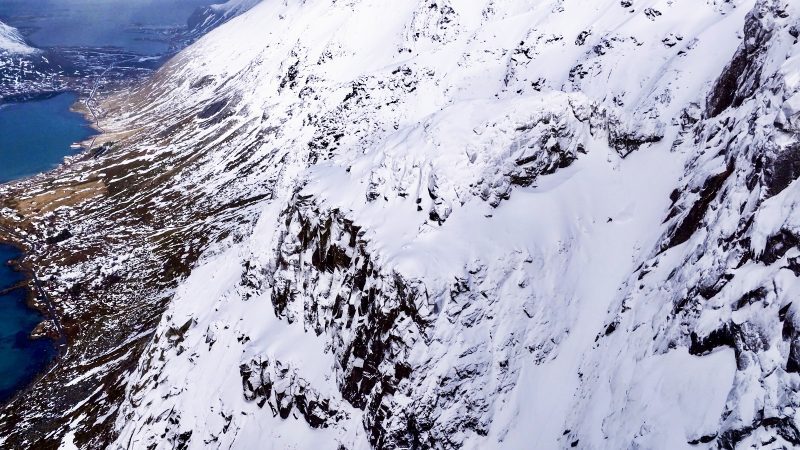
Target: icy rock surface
x=724, y=278
x=464, y=224
x=473, y=241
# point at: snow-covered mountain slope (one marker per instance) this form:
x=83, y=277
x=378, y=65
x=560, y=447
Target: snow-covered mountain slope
x=11, y=41
x=723, y=281
x=477, y=224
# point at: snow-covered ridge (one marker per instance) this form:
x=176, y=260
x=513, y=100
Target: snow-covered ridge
x=470, y=224
x=234, y=6
x=11, y=41
x=207, y=18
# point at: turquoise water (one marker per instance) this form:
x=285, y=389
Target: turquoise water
x=35, y=136
x=21, y=358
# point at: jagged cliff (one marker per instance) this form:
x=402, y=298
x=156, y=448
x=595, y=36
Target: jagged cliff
x=434, y=224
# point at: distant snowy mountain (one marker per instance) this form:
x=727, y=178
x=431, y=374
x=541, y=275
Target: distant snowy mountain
x=205, y=19
x=435, y=224
x=11, y=41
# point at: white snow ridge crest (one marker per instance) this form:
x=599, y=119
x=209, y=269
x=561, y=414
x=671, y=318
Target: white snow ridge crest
x=459, y=224
x=11, y=41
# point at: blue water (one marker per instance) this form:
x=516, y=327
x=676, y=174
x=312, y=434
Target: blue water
x=139, y=26
x=35, y=136
x=21, y=358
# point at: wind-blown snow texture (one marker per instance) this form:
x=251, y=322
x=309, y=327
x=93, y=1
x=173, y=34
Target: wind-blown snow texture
x=479, y=224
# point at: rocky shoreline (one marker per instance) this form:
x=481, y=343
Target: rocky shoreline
x=45, y=329
x=96, y=247
x=34, y=217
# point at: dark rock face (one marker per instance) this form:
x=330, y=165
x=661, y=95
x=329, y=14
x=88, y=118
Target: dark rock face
x=744, y=339
x=790, y=334
x=273, y=383
x=625, y=141
x=372, y=320
x=212, y=109
x=782, y=426
x=742, y=76
x=777, y=245
x=782, y=167
x=541, y=152
x=61, y=236
x=693, y=218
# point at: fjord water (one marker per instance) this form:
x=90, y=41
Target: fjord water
x=21, y=358
x=35, y=136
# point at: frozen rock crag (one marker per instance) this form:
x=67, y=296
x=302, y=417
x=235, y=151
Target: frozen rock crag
x=723, y=279
x=449, y=224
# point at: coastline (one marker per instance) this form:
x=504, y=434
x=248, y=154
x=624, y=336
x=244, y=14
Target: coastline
x=58, y=344
x=31, y=97
x=36, y=299
x=11, y=237
x=43, y=306
x=35, y=211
